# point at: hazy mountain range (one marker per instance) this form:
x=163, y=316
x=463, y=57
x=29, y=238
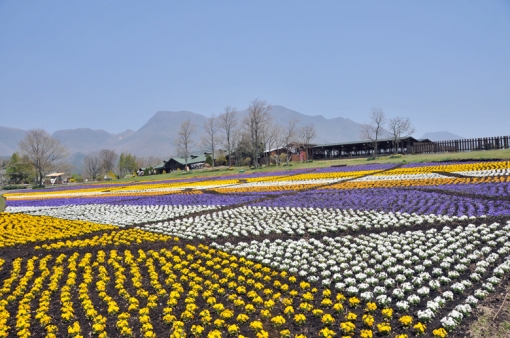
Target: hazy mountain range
x=156, y=137
x=441, y=136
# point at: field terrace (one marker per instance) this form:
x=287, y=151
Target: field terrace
x=361, y=251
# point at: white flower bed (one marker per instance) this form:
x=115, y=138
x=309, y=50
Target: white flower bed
x=249, y=221
x=121, y=215
x=400, y=177
x=287, y=182
x=398, y=268
x=485, y=173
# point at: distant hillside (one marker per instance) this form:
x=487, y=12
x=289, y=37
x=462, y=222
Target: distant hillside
x=9, y=138
x=157, y=136
x=441, y=136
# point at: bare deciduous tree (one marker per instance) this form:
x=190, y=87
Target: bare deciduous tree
x=42, y=151
x=306, y=134
x=288, y=138
x=256, y=121
x=228, y=123
x=184, y=141
x=375, y=128
x=271, y=138
x=399, y=128
x=92, y=164
x=211, y=137
x=107, y=158
x=149, y=161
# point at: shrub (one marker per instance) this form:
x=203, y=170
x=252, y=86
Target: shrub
x=14, y=187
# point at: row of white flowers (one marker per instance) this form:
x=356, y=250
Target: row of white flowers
x=288, y=182
x=121, y=215
x=253, y=220
x=401, y=269
x=485, y=173
x=399, y=177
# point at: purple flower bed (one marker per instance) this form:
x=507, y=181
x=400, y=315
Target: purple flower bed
x=486, y=189
x=393, y=200
x=172, y=199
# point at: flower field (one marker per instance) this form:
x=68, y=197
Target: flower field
x=377, y=250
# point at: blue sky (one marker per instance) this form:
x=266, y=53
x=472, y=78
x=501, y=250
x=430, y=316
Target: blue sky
x=112, y=64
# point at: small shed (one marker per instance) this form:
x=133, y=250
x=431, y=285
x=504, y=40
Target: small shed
x=57, y=178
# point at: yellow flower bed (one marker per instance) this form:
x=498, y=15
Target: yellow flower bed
x=328, y=175
x=289, y=187
x=22, y=229
x=93, y=194
x=161, y=286
x=116, y=237
x=448, y=168
x=416, y=183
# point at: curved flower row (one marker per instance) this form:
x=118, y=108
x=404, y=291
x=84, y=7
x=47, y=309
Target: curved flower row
x=120, y=215
x=393, y=200
x=256, y=221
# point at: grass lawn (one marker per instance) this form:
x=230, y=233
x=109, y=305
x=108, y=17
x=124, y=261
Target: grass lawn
x=2, y=202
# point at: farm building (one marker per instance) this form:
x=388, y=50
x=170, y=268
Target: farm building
x=174, y=163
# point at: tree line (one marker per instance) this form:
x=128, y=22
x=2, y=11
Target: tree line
x=245, y=140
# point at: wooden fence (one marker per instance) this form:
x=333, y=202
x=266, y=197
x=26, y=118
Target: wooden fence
x=485, y=143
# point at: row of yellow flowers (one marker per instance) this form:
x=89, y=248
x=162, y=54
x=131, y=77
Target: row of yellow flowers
x=71, y=195
x=416, y=182
x=490, y=165
x=114, y=237
x=21, y=229
x=203, y=292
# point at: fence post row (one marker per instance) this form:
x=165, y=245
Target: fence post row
x=483, y=143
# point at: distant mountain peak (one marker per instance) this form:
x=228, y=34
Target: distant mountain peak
x=441, y=136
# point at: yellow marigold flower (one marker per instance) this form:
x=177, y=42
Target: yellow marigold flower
x=227, y=314
x=406, y=321
x=338, y=307
x=300, y=319
x=242, y=318
x=384, y=328
x=326, y=333
x=328, y=319
x=387, y=313
x=403, y=335
x=262, y=334
x=249, y=308
x=285, y=334
x=219, y=323
x=233, y=329
x=368, y=320
x=419, y=328
x=265, y=313
x=354, y=301
x=440, y=333
x=351, y=316
x=304, y=285
x=213, y=334
x=347, y=327
x=317, y=312
x=365, y=334
x=256, y=325
x=340, y=297
x=278, y=321
x=326, y=302
x=371, y=306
